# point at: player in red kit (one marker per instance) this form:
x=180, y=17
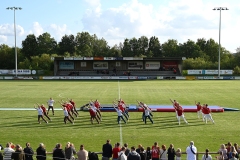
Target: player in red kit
x=199, y=109
x=208, y=115
x=175, y=104
x=93, y=115
x=68, y=107
x=121, y=107
x=74, y=106
x=98, y=106
x=179, y=110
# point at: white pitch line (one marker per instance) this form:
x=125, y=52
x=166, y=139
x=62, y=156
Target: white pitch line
x=60, y=95
x=120, y=125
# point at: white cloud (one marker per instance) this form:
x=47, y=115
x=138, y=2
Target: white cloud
x=59, y=31
x=3, y=39
x=178, y=19
x=37, y=29
x=8, y=30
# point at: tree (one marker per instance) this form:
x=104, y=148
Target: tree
x=127, y=49
x=30, y=46
x=134, y=47
x=115, y=51
x=212, y=50
x=67, y=44
x=46, y=44
x=170, y=48
x=143, y=46
x=84, y=44
x=100, y=47
x=201, y=42
x=189, y=49
x=154, y=48
x=7, y=54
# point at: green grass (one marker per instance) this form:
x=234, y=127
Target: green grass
x=21, y=126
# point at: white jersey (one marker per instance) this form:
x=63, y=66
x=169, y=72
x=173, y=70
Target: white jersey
x=65, y=112
x=119, y=112
x=94, y=108
x=147, y=112
x=40, y=111
x=50, y=102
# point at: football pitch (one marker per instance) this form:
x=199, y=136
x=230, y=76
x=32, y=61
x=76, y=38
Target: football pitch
x=20, y=127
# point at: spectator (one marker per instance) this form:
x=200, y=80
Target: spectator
x=7, y=152
x=127, y=150
x=139, y=148
x=106, y=151
x=220, y=156
x=178, y=154
x=18, y=154
x=58, y=153
x=142, y=154
x=155, y=151
x=121, y=155
x=191, y=151
x=206, y=156
x=233, y=156
x=28, y=152
x=148, y=153
x=133, y=155
x=237, y=148
x=69, y=151
x=171, y=152
x=163, y=153
x=174, y=71
x=115, y=151
x=232, y=153
x=229, y=144
x=41, y=152
x=224, y=151
x=82, y=154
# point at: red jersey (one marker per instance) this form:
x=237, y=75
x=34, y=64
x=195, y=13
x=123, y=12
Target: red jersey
x=97, y=105
x=204, y=110
x=73, y=103
x=199, y=107
x=43, y=109
x=179, y=110
x=155, y=152
x=67, y=107
x=121, y=108
x=115, y=152
x=92, y=113
x=207, y=110
x=70, y=106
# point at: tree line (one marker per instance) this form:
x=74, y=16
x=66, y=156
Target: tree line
x=36, y=52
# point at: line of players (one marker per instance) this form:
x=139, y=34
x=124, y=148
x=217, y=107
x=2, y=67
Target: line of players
x=69, y=108
x=201, y=110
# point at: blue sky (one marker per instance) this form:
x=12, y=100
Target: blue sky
x=115, y=20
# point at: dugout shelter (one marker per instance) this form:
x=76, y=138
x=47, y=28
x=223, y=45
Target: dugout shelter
x=117, y=66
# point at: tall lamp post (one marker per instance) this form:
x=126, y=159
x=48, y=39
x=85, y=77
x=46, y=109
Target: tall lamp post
x=219, y=50
x=15, y=8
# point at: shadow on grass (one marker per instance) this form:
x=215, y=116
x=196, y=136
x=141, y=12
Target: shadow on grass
x=110, y=121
